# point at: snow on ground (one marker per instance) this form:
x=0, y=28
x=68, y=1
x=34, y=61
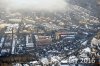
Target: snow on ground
x=44, y=61
x=87, y=50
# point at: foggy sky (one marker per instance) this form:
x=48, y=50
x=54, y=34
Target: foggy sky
x=48, y=5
